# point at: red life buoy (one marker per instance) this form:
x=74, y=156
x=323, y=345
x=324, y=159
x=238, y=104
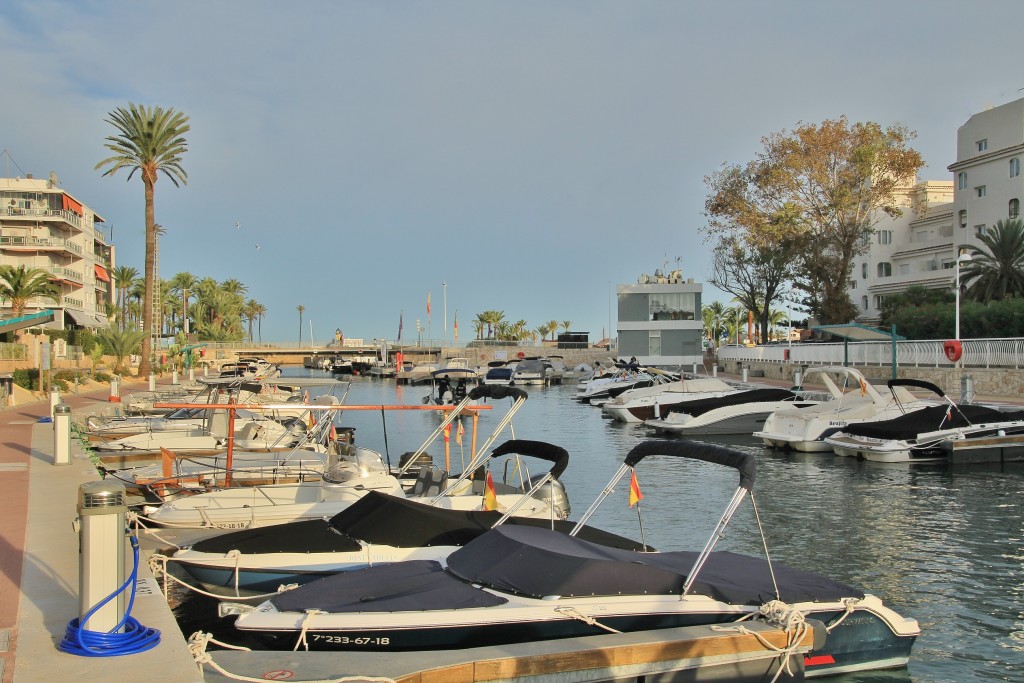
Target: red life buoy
x=520, y=355
x=953, y=349
x=483, y=356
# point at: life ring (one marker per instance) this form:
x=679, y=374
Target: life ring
x=483, y=356
x=521, y=355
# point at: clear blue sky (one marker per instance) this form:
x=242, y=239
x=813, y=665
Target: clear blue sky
x=530, y=154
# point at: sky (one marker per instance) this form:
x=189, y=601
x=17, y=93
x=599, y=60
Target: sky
x=355, y=158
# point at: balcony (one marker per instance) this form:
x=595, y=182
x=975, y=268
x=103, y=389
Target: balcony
x=69, y=217
x=67, y=274
x=29, y=243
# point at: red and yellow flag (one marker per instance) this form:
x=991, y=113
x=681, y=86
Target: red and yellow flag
x=428, y=303
x=456, y=326
x=863, y=388
x=447, y=432
x=490, y=497
x=635, y=495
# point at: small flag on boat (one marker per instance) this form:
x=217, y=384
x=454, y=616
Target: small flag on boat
x=949, y=414
x=428, y=303
x=490, y=497
x=635, y=495
x=334, y=433
x=447, y=432
x=459, y=432
x=456, y=326
x=863, y=388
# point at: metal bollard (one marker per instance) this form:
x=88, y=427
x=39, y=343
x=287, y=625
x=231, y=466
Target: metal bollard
x=797, y=378
x=714, y=370
x=152, y=382
x=62, y=434
x=174, y=376
x=54, y=399
x=191, y=376
x=695, y=366
x=967, y=389
x=206, y=370
x=101, y=522
x=744, y=373
x=115, y=389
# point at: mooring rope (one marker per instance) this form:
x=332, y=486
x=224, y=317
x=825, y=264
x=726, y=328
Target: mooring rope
x=851, y=606
x=158, y=565
x=576, y=614
x=780, y=614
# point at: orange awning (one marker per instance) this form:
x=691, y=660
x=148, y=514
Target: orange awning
x=101, y=273
x=71, y=205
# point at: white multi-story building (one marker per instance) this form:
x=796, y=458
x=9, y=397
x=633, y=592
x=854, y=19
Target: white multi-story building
x=942, y=217
x=45, y=227
x=659, y=320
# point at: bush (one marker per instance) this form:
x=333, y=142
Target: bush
x=27, y=378
x=101, y=376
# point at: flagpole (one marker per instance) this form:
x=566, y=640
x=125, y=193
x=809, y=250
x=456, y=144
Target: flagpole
x=444, y=307
x=639, y=517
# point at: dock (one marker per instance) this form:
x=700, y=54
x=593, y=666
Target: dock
x=39, y=595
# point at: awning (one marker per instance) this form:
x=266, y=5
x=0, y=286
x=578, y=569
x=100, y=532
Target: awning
x=101, y=273
x=857, y=332
x=84, y=319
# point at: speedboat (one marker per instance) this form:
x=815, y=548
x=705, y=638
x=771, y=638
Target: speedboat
x=346, y=479
x=805, y=429
x=515, y=584
x=627, y=376
x=738, y=412
x=498, y=372
x=649, y=403
x=449, y=386
x=377, y=528
x=530, y=371
x=919, y=435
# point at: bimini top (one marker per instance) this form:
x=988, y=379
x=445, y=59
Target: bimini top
x=929, y=419
x=539, y=563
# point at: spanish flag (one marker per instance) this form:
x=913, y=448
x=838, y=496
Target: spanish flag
x=456, y=326
x=447, y=432
x=428, y=304
x=635, y=496
x=490, y=497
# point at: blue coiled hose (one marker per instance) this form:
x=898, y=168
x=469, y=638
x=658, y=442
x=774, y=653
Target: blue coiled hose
x=135, y=637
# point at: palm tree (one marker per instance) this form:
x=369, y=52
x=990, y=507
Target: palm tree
x=149, y=140
x=260, y=311
x=181, y=285
x=492, y=319
x=18, y=285
x=301, y=309
x=125, y=278
x=713, y=316
x=997, y=273
x=250, y=313
x=121, y=343
x=566, y=326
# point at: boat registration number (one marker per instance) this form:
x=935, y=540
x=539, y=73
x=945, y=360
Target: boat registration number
x=350, y=640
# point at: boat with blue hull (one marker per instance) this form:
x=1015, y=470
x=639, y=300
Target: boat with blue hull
x=516, y=583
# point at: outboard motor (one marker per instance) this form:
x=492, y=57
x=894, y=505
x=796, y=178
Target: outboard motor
x=424, y=461
x=554, y=494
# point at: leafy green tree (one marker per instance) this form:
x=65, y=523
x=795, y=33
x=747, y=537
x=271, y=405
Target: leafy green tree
x=121, y=343
x=182, y=285
x=996, y=270
x=823, y=187
x=19, y=284
x=149, y=140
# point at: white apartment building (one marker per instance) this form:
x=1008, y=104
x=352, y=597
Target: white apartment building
x=45, y=227
x=942, y=217
x=659, y=320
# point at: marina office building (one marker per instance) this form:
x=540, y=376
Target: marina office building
x=941, y=217
x=45, y=227
x=659, y=320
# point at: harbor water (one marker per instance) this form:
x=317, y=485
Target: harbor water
x=940, y=545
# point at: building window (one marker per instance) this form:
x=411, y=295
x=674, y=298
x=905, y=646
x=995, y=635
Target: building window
x=851, y=284
x=885, y=236
x=963, y=218
x=948, y=263
x=673, y=306
x=981, y=190
x=879, y=300
x=979, y=229
x=654, y=342
x=864, y=271
x=864, y=303
x=904, y=269
x=1014, y=208
x=1014, y=167
x=961, y=180
x=982, y=145
x=884, y=269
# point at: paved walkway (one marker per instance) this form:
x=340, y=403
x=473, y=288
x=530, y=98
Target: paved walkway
x=39, y=588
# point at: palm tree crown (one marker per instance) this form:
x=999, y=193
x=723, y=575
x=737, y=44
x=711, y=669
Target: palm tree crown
x=996, y=271
x=149, y=140
x=18, y=285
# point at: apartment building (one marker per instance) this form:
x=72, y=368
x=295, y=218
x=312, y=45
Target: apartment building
x=942, y=217
x=659, y=320
x=43, y=226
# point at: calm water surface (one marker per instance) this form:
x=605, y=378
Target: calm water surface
x=939, y=545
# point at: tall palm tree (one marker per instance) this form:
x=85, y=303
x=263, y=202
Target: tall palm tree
x=260, y=311
x=250, y=312
x=996, y=271
x=182, y=284
x=713, y=316
x=20, y=284
x=566, y=326
x=301, y=309
x=149, y=140
x=125, y=278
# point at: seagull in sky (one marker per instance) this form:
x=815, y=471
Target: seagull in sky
x=257, y=245
x=237, y=226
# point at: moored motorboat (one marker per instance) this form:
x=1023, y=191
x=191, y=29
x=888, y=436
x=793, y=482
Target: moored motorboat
x=517, y=584
x=649, y=403
x=741, y=412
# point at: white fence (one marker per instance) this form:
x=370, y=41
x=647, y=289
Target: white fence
x=977, y=353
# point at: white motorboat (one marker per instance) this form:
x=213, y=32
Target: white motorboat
x=347, y=479
x=919, y=435
x=740, y=412
x=517, y=583
x=377, y=528
x=498, y=372
x=628, y=376
x=649, y=403
x=530, y=371
x=805, y=429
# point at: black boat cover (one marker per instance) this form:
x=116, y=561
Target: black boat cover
x=929, y=419
x=410, y=586
x=380, y=519
x=704, y=405
x=538, y=563
x=744, y=463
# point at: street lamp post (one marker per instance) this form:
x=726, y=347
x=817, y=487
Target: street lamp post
x=963, y=258
x=444, y=299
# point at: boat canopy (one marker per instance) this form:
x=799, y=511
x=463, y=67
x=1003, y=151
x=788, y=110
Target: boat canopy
x=742, y=462
x=929, y=419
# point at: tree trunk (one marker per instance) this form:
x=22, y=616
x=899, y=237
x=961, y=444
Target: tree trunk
x=146, y=365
